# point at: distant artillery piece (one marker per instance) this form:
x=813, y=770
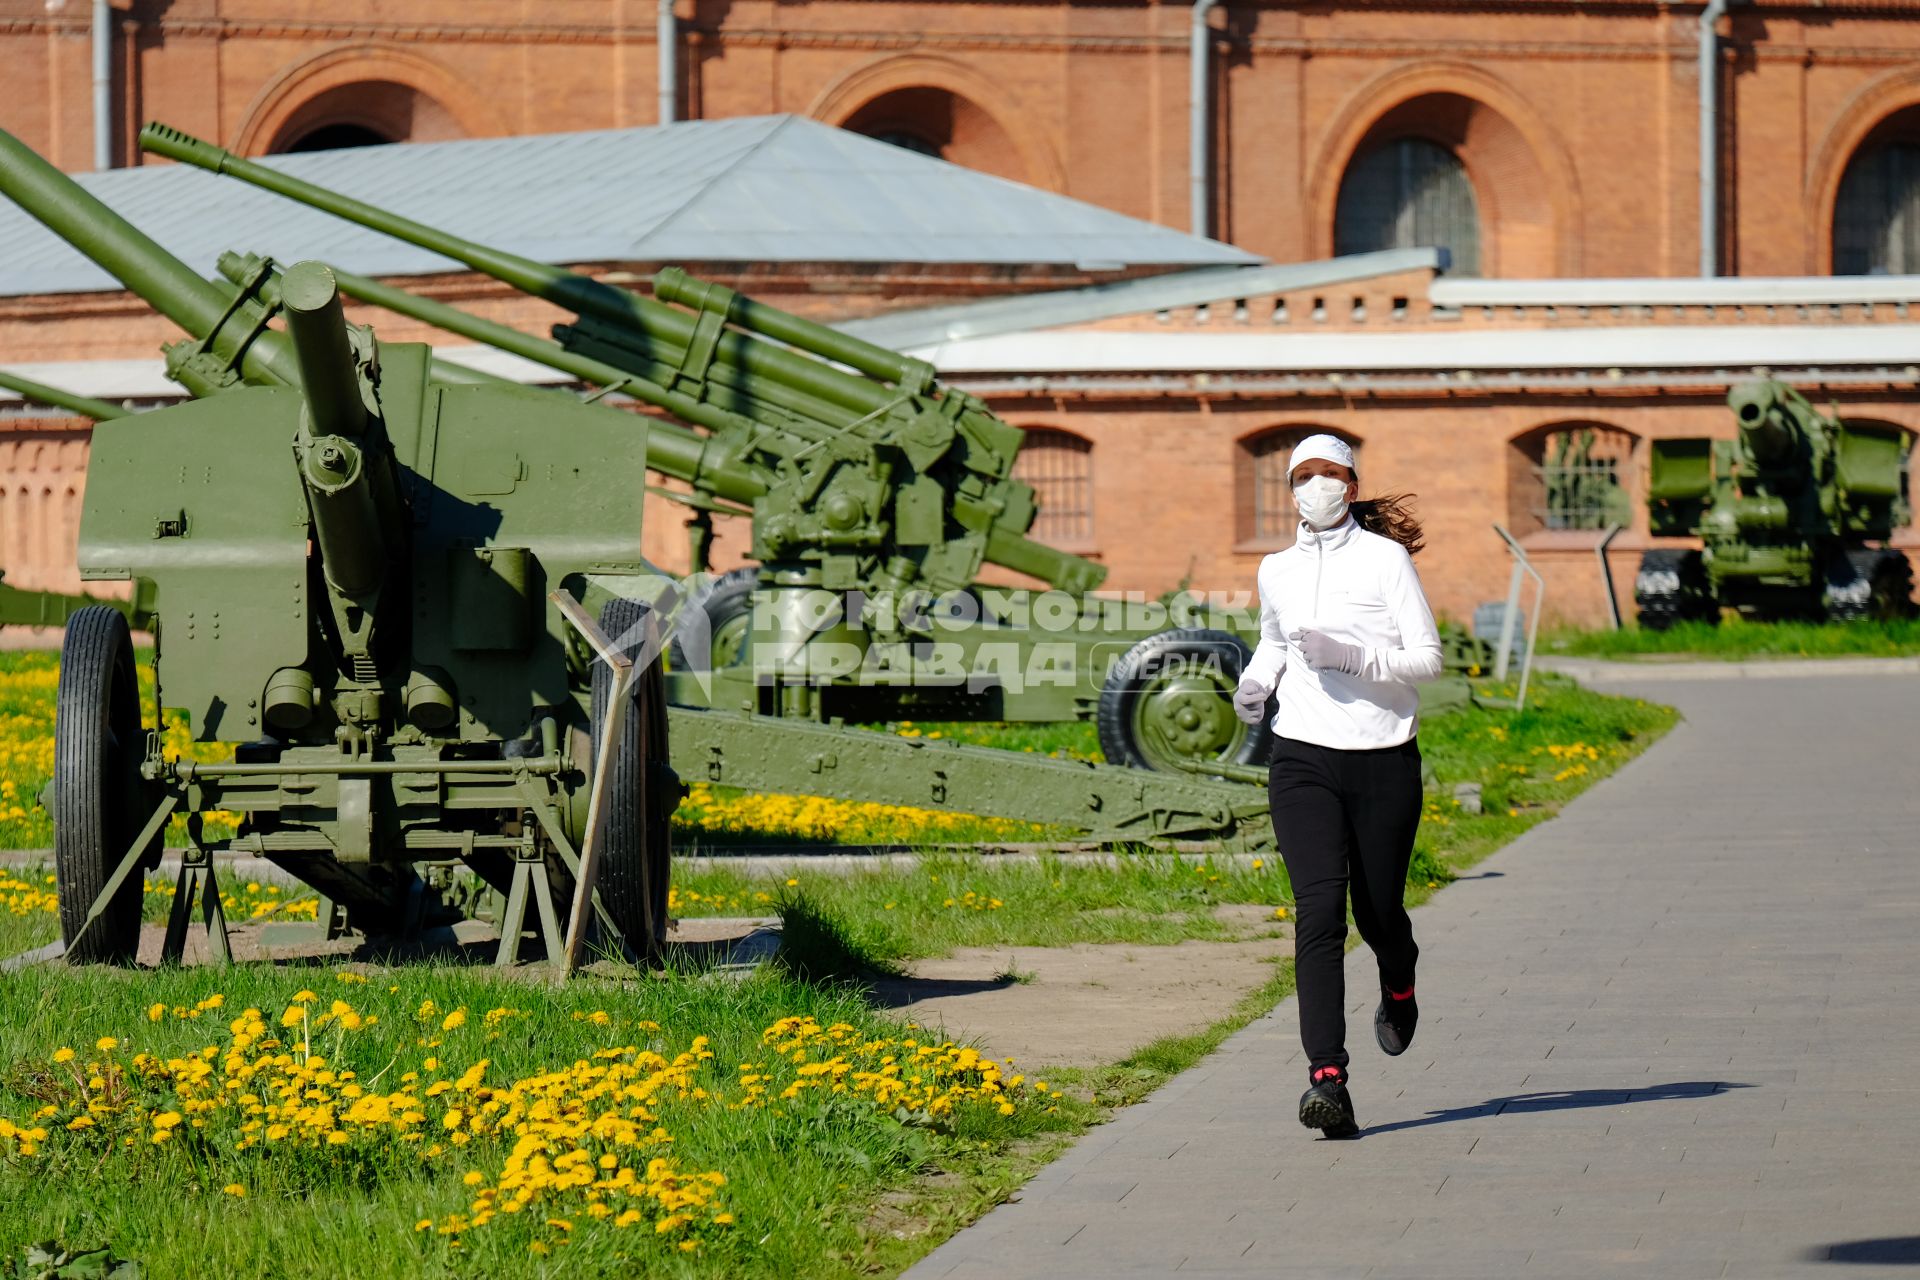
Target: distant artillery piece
x=1787, y=511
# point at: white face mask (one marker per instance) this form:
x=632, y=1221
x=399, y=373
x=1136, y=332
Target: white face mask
x=1322, y=501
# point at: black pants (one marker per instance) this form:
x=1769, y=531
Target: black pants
x=1340, y=818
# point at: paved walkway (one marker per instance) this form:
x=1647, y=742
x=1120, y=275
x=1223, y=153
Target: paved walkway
x=1675, y=1033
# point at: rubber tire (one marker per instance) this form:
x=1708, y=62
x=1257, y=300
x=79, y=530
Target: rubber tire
x=726, y=599
x=636, y=858
x=1691, y=601
x=1123, y=688
x=99, y=801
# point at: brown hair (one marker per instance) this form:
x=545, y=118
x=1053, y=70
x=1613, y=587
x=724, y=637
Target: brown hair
x=1391, y=516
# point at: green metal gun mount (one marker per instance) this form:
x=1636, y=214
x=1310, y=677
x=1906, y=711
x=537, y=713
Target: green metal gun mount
x=22, y=606
x=1789, y=512
x=351, y=561
x=865, y=479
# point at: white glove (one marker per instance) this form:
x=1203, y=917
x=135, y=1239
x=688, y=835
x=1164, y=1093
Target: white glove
x=1324, y=653
x=1250, y=702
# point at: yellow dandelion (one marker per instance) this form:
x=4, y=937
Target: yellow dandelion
x=235, y=1190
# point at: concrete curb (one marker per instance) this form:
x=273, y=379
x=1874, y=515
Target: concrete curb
x=1597, y=671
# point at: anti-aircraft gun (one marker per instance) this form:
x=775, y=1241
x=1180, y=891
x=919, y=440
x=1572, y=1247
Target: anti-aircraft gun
x=1787, y=511
x=351, y=564
x=873, y=482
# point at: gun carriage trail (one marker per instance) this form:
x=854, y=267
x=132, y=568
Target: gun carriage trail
x=1664, y=1035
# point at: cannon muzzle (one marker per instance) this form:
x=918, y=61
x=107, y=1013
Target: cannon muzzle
x=310, y=300
x=130, y=256
x=54, y=397
x=1768, y=422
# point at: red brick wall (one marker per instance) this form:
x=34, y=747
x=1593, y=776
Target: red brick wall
x=1581, y=141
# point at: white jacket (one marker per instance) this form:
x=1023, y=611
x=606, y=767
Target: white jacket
x=1360, y=588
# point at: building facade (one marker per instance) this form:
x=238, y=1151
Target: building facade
x=1534, y=141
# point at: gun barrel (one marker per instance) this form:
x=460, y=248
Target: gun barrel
x=1766, y=419
x=667, y=329
x=41, y=393
x=311, y=302
x=671, y=449
x=128, y=254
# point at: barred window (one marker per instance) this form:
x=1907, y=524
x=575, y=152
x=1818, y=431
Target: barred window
x=1876, y=220
x=1059, y=466
x=908, y=142
x=1268, y=515
x=1409, y=194
x=1578, y=477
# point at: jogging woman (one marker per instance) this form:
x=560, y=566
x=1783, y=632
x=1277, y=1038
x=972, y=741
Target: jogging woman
x=1345, y=635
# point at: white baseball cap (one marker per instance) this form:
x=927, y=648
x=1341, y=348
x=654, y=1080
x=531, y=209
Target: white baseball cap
x=1324, y=447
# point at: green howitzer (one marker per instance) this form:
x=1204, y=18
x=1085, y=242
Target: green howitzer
x=876, y=475
x=1787, y=512
x=351, y=565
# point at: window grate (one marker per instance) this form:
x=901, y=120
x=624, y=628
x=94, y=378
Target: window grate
x=1876, y=220
x=1059, y=466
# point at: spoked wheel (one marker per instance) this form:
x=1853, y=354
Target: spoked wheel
x=1170, y=697
x=636, y=859
x=98, y=797
x=727, y=605
x=1865, y=584
x=1673, y=587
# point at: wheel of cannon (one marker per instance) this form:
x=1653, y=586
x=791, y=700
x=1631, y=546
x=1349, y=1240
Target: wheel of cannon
x=1864, y=583
x=1171, y=697
x=97, y=792
x=635, y=855
x=1672, y=587
x=727, y=602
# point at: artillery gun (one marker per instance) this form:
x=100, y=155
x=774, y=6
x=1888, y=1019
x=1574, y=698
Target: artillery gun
x=351, y=564
x=873, y=482
x=1788, y=511
x=350, y=561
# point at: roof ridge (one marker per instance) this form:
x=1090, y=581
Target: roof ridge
x=780, y=121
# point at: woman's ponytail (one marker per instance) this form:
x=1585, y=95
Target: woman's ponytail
x=1391, y=516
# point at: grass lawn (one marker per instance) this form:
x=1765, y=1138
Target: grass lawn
x=1734, y=639
x=673, y=1124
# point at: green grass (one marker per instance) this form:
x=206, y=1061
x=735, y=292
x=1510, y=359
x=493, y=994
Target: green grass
x=822, y=1186
x=1735, y=639
x=801, y=1175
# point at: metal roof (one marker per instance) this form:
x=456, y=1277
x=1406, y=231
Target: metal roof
x=1600, y=348
x=1131, y=297
x=752, y=189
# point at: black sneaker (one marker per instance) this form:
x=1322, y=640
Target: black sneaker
x=1327, y=1107
x=1394, y=1021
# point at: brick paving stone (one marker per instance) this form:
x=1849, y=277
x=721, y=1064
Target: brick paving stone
x=1656, y=1042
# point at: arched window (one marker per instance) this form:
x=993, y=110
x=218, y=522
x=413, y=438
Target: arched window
x=338, y=137
x=908, y=141
x=1267, y=517
x=1409, y=193
x=1572, y=476
x=943, y=124
x=1876, y=219
x=1059, y=466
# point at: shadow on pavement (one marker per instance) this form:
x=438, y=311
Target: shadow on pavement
x=1898, y=1250
x=1561, y=1100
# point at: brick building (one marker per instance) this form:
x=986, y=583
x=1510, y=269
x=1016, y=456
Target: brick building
x=1549, y=146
